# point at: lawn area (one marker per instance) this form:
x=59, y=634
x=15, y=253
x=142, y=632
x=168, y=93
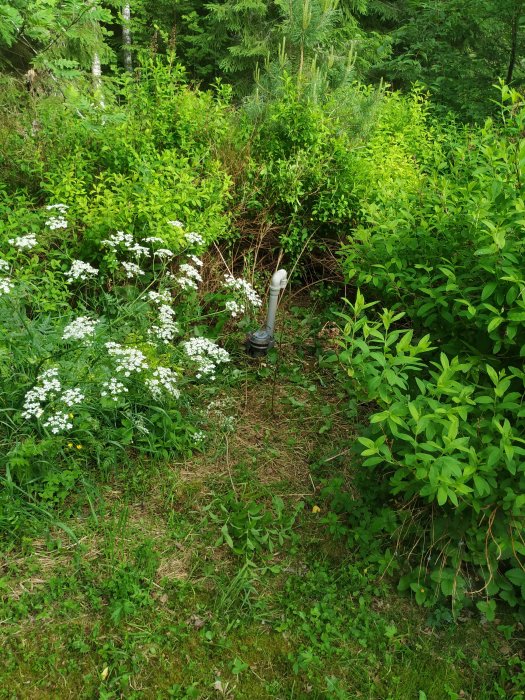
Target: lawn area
x=224, y=574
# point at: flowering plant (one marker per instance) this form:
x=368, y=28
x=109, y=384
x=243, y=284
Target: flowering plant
x=124, y=365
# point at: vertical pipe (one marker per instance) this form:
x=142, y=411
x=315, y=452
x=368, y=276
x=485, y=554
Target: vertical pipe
x=278, y=283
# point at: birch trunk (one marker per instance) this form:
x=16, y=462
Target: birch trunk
x=126, y=36
x=96, y=72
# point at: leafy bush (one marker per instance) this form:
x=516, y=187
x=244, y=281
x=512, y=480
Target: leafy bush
x=450, y=252
x=150, y=154
x=448, y=434
x=303, y=164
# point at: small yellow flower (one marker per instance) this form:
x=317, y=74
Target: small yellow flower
x=421, y=590
x=71, y=415
x=79, y=447
x=316, y=509
x=70, y=444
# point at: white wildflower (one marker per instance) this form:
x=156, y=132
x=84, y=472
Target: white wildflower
x=163, y=378
x=117, y=239
x=72, y=397
x=247, y=296
x=196, y=261
x=152, y=239
x=190, y=276
x=128, y=360
x=50, y=373
x=62, y=208
x=4, y=265
x=113, y=389
x=24, y=242
x=177, y=224
x=167, y=328
x=245, y=288
x=206, y=354
x=139, y=250
x=194, y=238
x=81, y=271
x=234, y=308
x=58, y=220
x=163, y=253
x=47, y=386
x=199, y=436
x=160, y=297
x=132, y=270
x=58, y=422
x=6, y=286
x=82, y=327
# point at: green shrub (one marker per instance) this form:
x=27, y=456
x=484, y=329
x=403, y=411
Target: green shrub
x=302, y=170
x=449, y=252
x=447, y=437
x=151, y=154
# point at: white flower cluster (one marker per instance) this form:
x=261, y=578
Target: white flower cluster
x=194, y=238
x=72, y=397
x=189, y=278
x=24, y=242
x=113, y=389
x=82, y=327
x=61, y=208
x=234, y=308
x=163, y=378
x=118, y=238
x=163, y=253
x=6, y=286
x=48, y=386
x=139, y=250
x=152, y=239
x=220, y=411
x=58, y=422
x=177, y=224
x=196, y=261
x=160, y=297
x=167, y=328
x=246, y=291
x=59, y=220
x=81, y=271
x=132, y=270
x=128, y=359
x=199, y=436
x=206, y=354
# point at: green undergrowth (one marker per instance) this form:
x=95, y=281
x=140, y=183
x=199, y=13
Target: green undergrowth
x=224, y=574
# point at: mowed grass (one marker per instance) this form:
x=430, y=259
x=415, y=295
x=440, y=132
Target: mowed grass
x=150, y=600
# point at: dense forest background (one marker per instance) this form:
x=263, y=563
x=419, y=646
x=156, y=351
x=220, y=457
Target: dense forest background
x=158, y=161
x=455, y=50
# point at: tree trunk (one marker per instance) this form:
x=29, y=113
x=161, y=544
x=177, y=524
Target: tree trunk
x=126, y=36
x=514, y=41
x=96, y=72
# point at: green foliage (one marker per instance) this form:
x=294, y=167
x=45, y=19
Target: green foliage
x=60, y=37
x=249, y=528
x=458, y=49
x=303, y=165
x=126, y=167
x=447, y=433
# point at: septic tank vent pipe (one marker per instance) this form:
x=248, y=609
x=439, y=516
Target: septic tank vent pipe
x=259, y=342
